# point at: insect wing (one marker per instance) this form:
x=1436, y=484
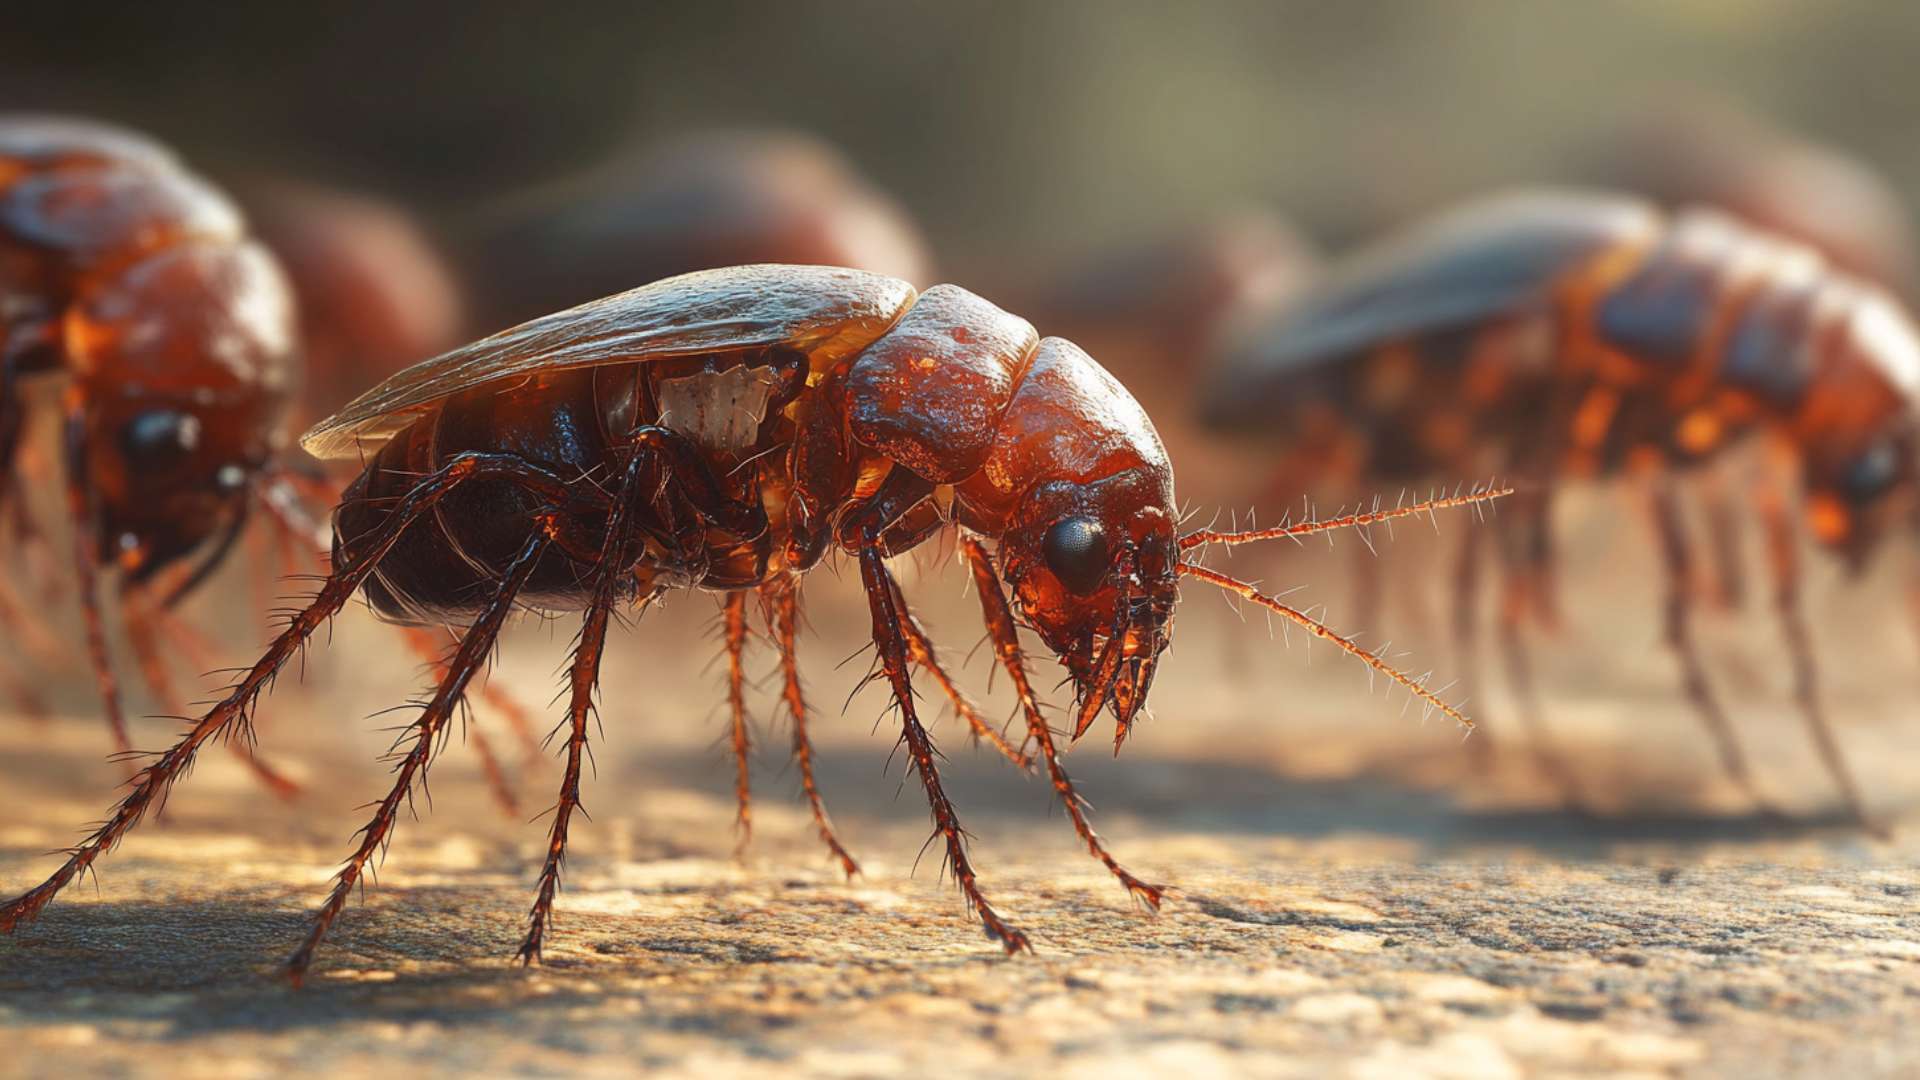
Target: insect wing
x=1478, y=262
x=826, y=312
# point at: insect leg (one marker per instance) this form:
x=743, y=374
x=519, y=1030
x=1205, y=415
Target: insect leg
x=1784, y=557
x=734, y=629
x=81, y=507
x=151, y=784
x=22, y=628
x=467, y=660
x=15, y=344
x=427, y=646
x=1723, y=534
x=583, y=677
x=1518, y=551
x=1677, y=554
x=782, y=598
x=925, y=655
x=895, y=657
x=1006, y=644
x=143, y=635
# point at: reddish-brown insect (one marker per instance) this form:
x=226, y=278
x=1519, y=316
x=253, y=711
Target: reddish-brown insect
x=1694, y=151
x=1154, y=310
x=374, y=294
x=725, y=430
x=694, y=202
x=1559, y=334
x=134, y=285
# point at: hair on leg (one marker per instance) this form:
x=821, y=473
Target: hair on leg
x=1006, y=644
x=894, y=656
x=583, y=679
x=740, y=738
x=143, y=635
x=426, y=645
x=924, y=654
x=781, y=596
x=229, y=716
x=475, y=646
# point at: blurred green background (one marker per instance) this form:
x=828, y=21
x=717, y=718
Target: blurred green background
x=1014, y=131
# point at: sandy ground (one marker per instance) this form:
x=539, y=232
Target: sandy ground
x=1355, y=895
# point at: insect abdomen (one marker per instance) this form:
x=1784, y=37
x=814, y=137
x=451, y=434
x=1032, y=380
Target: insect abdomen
x=445, y=567
x=1731, y=304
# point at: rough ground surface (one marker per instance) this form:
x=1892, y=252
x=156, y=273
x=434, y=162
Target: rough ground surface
x=1354, y=899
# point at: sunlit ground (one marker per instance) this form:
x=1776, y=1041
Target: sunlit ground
x=1356, y=890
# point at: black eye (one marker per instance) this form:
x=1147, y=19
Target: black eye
x=1872, y=473
x=1076, y=550
x=160, y=437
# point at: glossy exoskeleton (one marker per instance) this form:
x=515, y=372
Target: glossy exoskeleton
x=132, y=285
x=725, y=431
x=1564, y=334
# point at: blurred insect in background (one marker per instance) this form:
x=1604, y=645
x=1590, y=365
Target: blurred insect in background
x=694, y=202
x=374, y=292
x=1560, y=335
x=724, y=431
x=132, y=286
x=1694, y=150
x=1160, y=306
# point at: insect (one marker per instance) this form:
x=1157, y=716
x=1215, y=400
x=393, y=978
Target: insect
x=1568, y=334
x=374, y=294
x=725, y=430
x=132, y=284
x=1152, y=310
x=1692, y=150
x=693, y=202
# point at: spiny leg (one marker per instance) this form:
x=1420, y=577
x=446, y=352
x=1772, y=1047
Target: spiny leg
x=928, y=658
x=889, y=637
x=426, y=645
x=142, y=633
x=151, y=784
x=583, y=677
x=81, y=508
x=467, y=661
x=734, y=632
x=782, y=598
x=1784, y=558
x=1677, y=556
x=1006, y=644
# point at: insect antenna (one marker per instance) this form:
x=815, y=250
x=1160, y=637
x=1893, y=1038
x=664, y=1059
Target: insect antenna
x=1415, y=686
x=1355, y=520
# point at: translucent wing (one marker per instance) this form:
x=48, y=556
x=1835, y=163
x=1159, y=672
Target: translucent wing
x=1487, y=259
x=826, y=312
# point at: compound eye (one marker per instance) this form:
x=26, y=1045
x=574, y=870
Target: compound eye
x=159, y=438
x=1077, y=553
x=1872, y=473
